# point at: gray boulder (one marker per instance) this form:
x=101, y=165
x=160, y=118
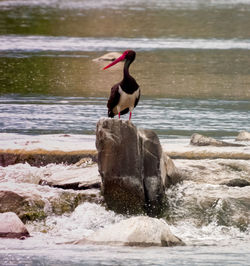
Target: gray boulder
x=11, y=226
x=200, y=140
x=135, y=231
x=132, y=166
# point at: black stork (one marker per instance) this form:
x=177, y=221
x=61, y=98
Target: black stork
x=124, y=96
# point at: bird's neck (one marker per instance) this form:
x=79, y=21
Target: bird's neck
x=128, y=83
x=126, y=68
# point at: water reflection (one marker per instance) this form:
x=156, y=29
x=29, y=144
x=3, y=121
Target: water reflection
x=168, y=73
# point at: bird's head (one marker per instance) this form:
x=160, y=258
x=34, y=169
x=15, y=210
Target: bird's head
x=127, y=55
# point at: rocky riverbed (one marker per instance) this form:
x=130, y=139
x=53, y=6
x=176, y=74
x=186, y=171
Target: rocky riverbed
x=64, y=201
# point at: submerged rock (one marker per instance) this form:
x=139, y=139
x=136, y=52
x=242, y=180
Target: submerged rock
x=243, y=136
x=11, y=226
x=133, y=167
x=236, y=182
x=135, y=231
x=200, y=140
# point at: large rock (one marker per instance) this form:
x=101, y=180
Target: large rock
x=11, y=226
x=200, y=140
x=132, y=166
x=76, y=178
x=135, y=231
x=243, y=136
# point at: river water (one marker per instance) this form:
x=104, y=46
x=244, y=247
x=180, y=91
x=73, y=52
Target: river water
x=192, y=65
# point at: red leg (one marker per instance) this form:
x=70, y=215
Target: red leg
x=119, y=115
x=130, y=115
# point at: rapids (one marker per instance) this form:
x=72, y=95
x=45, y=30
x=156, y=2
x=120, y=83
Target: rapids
x=203, y=213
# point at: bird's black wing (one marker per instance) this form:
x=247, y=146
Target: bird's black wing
x=125, y=111
x=113, y=99
x=138, y=98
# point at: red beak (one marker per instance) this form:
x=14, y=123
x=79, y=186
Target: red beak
x=122, y=57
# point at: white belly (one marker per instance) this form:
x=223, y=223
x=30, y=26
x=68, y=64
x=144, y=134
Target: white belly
x=126, y=101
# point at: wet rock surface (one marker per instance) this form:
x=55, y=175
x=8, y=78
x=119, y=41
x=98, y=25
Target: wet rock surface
x=12, y=227
x=136, y=231
x=133, y=167
x=214, y=191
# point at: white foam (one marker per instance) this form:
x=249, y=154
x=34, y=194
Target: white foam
x=86, y=218
x=209, y=235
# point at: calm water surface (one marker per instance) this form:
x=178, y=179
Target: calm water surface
x=193, y=62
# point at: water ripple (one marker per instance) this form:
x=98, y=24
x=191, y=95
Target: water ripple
x=122, y=4
x=168, y=117
x=72, y=44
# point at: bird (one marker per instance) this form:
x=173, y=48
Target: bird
x=125, y=95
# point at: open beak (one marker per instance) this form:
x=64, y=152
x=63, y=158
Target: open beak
x=121, y=58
